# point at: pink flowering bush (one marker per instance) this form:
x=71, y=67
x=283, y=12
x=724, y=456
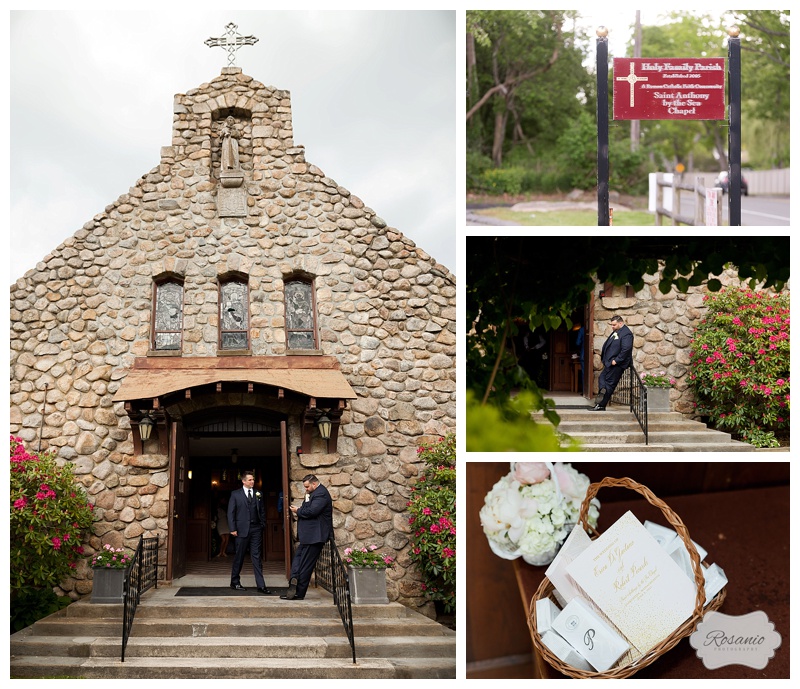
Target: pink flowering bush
x=367, y=557
x=432, y=510
x=739, y=370
x=50, y=516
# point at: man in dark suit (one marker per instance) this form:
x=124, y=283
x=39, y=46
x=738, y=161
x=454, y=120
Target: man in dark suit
x=314, y=528
x=616, y=356
x=246, y=519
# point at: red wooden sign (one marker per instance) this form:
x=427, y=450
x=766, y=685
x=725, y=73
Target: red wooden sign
x=680, y=88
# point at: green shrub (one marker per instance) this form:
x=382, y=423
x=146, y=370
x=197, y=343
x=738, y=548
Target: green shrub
x=50, y=515
x=504, y=180
x=433, y=520
x=477, y=164
x=740, y=364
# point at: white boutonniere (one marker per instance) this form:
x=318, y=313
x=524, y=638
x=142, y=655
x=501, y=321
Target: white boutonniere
x=616, y=337
x=258, y=494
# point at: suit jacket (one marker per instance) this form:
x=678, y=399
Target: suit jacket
x=315, y=517
x=239, y=512
x=618, y=346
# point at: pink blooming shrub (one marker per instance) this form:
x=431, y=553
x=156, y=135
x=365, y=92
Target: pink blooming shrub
x=739, y=371
x=50, y=516
x=432, y=516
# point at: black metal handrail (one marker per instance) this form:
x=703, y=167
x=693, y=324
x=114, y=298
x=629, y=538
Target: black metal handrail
x=141, y=576
x=632, y=392
x=331, y=574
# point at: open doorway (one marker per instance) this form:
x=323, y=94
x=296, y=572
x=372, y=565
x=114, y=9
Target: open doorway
x=221, y=444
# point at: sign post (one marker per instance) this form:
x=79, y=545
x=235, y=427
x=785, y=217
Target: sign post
x=734, y=128
x=603, y=218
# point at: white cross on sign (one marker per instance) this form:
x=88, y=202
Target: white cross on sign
x=632, y=79
x=231, y=42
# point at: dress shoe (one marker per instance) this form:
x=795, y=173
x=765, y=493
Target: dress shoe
x=292, y=590
x=264, y=590
x=238, y=587
x=599, y=397
x=597, y=407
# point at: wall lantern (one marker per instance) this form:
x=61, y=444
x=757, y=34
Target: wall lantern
x=190, y=474
x=324, y=425
x=146, y=427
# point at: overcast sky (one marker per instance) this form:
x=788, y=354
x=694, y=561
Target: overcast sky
x=373, y=102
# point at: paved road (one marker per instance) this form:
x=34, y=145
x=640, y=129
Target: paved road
x=756, y=210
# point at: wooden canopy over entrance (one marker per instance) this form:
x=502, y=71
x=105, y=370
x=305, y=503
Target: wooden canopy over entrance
x=155, y=382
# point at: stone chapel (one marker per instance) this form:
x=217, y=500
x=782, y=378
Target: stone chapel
x=236, y=309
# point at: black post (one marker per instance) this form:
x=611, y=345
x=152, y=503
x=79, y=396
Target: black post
x=602, y=128
x=734, y=129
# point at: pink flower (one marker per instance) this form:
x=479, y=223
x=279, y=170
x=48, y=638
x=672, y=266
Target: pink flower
x=20, y=504
x=56, y=542
x=529, y=473
x=426, y=510
x=447, y=552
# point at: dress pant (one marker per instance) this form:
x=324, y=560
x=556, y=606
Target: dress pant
x=609, y=379
x=305, y=559
x=253, y=539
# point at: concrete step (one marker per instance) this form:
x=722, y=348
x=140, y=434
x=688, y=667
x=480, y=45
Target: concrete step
x=210, y=668
x=216, y=637
x=641, y=447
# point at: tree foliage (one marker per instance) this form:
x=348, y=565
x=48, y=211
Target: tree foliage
x=740, y=364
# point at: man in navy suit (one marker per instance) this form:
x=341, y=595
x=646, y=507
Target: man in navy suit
x=616, y=356
x=246, y=519
x=314, y=528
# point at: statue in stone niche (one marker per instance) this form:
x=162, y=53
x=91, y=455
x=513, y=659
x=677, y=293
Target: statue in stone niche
x=230, y=145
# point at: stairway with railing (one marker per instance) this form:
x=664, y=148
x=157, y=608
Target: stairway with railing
x=331, y=574
x=140, y=577
x=632, y=392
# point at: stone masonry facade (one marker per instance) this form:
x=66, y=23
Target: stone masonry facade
x=385, y=309
x=663, y=327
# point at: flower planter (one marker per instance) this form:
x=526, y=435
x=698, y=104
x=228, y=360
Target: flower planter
x=107, y=584
x=367, y=585
x=658, y=399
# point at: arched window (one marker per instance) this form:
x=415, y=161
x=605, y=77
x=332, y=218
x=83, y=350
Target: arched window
x=301, y=314
x=234, y=314
x=168, y=320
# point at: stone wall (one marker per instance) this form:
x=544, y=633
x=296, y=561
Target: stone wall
x=386, y=310
x=663, y=326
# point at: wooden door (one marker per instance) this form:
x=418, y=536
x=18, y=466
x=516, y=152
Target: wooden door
x=560, y=365
x=179, y=501
x=287, y=498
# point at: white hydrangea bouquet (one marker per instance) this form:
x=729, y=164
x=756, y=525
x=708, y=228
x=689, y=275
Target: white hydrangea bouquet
x=532, y=509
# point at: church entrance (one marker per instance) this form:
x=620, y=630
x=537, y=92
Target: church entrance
x=210, y=451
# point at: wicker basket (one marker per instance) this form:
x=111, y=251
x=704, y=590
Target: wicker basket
x=626, y=667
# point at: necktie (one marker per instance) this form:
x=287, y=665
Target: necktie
x=249, y=494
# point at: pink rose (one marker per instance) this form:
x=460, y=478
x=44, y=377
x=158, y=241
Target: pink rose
x=572, y=483
x=529, y=473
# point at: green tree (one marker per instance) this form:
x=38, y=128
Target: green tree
x=523, y=73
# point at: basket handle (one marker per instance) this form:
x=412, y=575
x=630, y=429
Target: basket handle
x=673, y=519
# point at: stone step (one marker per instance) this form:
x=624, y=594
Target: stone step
x=212, y=668
x=641, y=447
x=236, y=647
x=199, y=627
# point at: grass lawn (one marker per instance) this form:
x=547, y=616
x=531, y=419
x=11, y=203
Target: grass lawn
x=577, y=217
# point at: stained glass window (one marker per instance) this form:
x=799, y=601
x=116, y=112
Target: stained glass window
x=168, y=321
x=300, y=315
x=233, y=315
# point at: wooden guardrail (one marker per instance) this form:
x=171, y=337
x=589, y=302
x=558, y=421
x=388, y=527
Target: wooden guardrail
x=707, y=206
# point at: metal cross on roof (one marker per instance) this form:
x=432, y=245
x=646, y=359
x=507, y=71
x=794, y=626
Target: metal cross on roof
x=231, y=42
